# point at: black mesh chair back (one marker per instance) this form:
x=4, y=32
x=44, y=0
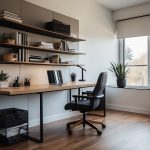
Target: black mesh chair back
x=99, y=89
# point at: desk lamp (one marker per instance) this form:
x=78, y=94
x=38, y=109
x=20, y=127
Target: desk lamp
x=82, y=70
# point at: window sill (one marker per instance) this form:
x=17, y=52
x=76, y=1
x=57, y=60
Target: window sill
x=130, y=87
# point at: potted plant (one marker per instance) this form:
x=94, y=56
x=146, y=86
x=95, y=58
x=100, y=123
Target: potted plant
x=3, y=79
x=73, y=77
x=5, y=38
x=16, y=82
x=27, y=81
x=120, y=71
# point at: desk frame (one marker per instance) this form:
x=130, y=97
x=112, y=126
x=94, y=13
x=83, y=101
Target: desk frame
x=41, y=138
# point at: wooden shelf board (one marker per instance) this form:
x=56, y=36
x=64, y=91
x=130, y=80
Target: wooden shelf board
x=36, y=63
x=39, y=49
x=28, y=28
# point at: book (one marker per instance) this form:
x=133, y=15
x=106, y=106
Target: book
x=10, y=18
x=8, y=13
x=64, y=46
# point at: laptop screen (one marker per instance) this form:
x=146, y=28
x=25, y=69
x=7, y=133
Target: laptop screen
x=55, y=77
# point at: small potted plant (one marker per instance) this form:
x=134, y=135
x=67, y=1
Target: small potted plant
x=27, y=81
x=16, y=82
x=120, y=71
x=5, y=38
x=73, y=77
x=3, y=79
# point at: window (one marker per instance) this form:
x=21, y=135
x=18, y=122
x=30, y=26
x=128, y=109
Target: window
x=135, y=55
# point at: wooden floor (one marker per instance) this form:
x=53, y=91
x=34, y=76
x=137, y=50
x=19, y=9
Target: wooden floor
x=124, y=131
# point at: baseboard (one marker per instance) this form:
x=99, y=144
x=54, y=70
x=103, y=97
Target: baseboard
x=128, y=108
x=53, y=118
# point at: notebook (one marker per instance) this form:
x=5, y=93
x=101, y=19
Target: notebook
x=55, y=77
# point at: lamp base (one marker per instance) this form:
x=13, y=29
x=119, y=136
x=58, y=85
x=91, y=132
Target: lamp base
x=82, y=80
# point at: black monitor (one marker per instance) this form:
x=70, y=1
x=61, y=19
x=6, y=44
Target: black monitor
x=55, y=77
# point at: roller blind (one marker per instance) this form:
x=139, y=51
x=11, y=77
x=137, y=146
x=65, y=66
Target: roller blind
x=133, y=27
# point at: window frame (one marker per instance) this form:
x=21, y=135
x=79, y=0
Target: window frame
x=122, y=59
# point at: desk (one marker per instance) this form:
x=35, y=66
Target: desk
x=40, y=89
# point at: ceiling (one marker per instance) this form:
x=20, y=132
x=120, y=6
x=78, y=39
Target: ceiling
x=119, y=4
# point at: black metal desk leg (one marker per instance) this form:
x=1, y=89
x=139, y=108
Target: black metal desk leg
x=40, y=140
x=70, y=95
x=78, y=91
x=41, y=117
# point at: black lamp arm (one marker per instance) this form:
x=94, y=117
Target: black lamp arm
x=82, y=69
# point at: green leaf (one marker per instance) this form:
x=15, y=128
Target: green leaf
x=119, y=70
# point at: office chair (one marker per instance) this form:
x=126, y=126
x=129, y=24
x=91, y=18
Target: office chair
x=84, y=104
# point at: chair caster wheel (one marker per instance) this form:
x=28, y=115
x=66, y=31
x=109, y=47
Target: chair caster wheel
x=103, y=126
x=99, y=132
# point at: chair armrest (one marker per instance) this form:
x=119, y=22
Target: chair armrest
x=87, y=97
x=87, y=92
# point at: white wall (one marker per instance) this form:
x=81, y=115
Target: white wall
x=97, y=28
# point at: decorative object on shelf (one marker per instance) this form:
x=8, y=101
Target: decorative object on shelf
x=121, y=72
x=73, y=77
x=82, y=70
x=9, y=57
x=55, y=59
x=57, y=45
x=16, y=82
x=27, y=81
x=3, y=79
x=58, y=26
x=6, y=38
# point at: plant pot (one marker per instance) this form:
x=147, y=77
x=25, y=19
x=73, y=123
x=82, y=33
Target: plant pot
x=26, y=83
x=73, y=78
x=16, y=84
x=121, y=83
x=4, y=84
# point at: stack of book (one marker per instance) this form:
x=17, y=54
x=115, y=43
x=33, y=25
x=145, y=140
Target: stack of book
x=21, y=39
x=34, y=58
x=9, y=15
x=44, y=45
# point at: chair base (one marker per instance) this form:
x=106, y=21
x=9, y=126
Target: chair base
x=84, y=122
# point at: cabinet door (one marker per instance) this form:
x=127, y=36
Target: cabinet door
x=35, y=15
x=10, y=5
x=74, y=24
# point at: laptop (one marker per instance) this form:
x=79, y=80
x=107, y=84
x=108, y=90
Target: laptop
x=55, y=77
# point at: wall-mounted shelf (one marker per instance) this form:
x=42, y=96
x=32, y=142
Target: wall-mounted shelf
x=27, y=28
x=39, y=49
x=36, y=63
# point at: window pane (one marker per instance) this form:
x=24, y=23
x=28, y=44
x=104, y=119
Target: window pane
x=138, y=76
x=136, y=50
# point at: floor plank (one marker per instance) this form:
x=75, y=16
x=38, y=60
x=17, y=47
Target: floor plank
x=124, y=131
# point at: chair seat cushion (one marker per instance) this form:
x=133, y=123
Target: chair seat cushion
x=82, y=105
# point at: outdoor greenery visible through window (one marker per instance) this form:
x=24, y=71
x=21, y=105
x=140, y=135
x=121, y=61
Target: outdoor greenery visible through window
x=136, y=56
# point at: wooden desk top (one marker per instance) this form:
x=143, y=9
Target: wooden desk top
x=44, y=88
